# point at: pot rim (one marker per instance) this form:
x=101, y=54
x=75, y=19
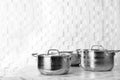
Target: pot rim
x=105, y=50
x=50, y=55
x=100, y=48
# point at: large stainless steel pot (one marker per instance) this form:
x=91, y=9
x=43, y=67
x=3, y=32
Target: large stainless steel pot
x=53, y=63
x=97, y=59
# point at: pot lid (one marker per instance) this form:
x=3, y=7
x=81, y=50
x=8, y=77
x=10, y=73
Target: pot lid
x=54, y=52
x=100, y=48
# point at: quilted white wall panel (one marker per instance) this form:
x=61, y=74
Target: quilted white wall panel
x=28, y=26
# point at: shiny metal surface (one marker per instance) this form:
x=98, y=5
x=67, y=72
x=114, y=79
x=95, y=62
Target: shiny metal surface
x=53, y=64
x=75, y=57
x=97, y=59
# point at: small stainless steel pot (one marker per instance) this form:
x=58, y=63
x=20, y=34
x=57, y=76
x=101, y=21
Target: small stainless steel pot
x=75, y=57
x=98, y=59
x=53, y=63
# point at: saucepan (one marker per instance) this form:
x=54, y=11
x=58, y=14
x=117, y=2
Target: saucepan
x=97, y=58
x=75, y=57
x=53, y=63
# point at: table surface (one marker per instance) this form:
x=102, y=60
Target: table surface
x=75, y=73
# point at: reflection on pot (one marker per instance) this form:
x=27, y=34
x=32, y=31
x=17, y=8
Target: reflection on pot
x=53, y=63
x=98, y=59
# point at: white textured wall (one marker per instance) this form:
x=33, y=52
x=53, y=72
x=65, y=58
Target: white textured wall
x=28, y=26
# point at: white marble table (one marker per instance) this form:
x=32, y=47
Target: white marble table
x=75, y=73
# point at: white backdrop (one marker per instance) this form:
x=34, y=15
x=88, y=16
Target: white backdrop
x=28, y=26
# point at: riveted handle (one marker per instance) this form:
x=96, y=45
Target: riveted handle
x=34, y=54
x=53, y=51
x=79, y=51
x=100, y=47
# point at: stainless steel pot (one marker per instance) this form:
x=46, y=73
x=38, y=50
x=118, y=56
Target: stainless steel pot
x=97, y=59
x=53, y=63
x=75, y=57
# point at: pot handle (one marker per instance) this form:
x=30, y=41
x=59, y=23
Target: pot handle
x=53, y=51
x=34, y=54
x=115, y=51
x=79, y=51
x=98, y=47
